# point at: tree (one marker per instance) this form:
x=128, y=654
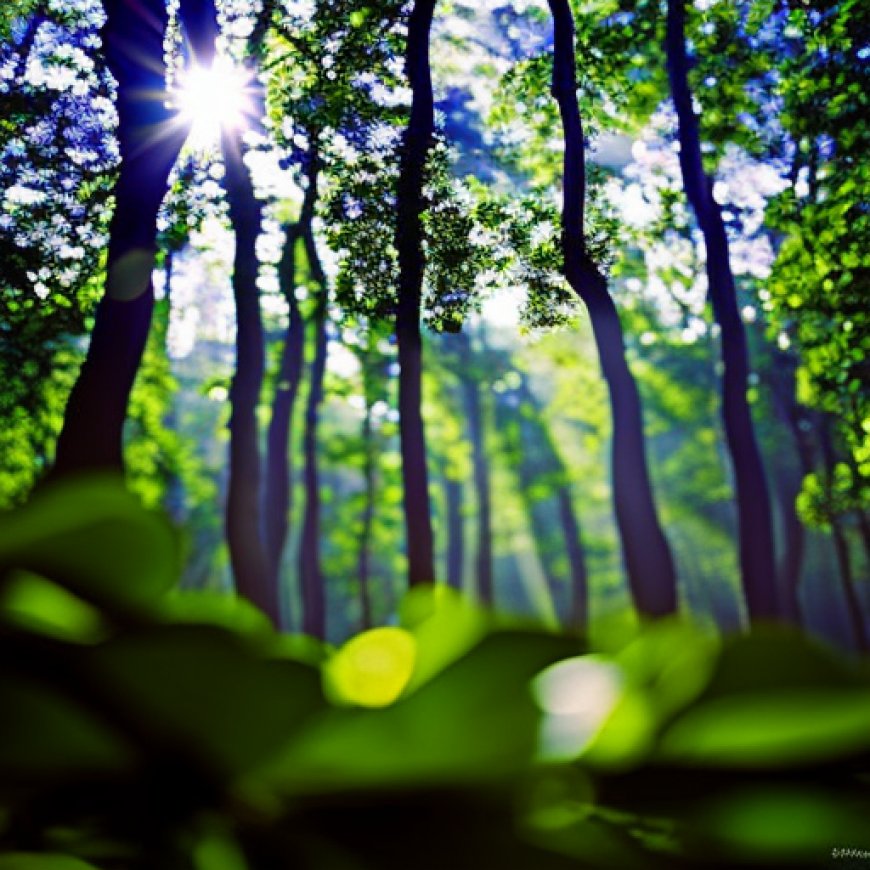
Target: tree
x=310, y=573
x=753, y=501
x=546, y=490
x=647, y=557
x=409, y=237
x=149, y=140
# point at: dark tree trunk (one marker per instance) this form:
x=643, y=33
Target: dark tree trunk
x=472, y=401
x=794, y=545
x=310, y=573
x=576, y=560
x=409, y=243
x=453, y=495
x=864, y=529
x=368, y=514
x=755, y=527
x=841, y=546
x=278, y=490
x=648, y=560
x=92, y=433
x=244, y=529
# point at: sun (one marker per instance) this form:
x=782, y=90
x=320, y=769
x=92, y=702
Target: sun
x=213, y=98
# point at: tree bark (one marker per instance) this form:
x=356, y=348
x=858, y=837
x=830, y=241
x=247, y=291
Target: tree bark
x=244, y=529
x=310, y=572
x=755, y=527
x=648, y=561
x=409, y=244
x=278, y=490
x=368, y=514
x=149, y=140
x=453, y=494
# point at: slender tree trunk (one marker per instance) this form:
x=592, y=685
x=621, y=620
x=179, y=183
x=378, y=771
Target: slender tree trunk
x=310, y=573
x=453, y=494
x=91, y=437
x=579, y=616
x=648, y=560
x=480, y=464
x=841, y=547
x=365, y=538
x=864, y=529
x=243, y=520
x=794, y=545
x=539, y=451
x=409, y=243
x=755, y=527
x=278, y=490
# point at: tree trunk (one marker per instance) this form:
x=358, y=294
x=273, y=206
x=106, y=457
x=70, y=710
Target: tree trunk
x=365, y=538
x=480, y=464
x=310, y=573
x=648, y=559
x=453, y=493
x=538, y=456
x=409, y=243
x=755, y=527
x=243, y=520
x=92, y=433
x=579, y=616
x=864, y=529
x=278, y=491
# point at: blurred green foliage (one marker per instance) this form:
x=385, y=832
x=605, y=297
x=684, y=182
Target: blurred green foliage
x=146, y=727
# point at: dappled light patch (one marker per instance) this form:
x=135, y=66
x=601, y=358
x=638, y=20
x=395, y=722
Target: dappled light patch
x=577, y=696
x=371, y=669
x=30, y=601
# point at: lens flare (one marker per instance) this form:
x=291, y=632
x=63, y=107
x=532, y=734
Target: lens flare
x=213, y=98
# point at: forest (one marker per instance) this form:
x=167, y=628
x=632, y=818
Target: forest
x=434, y=434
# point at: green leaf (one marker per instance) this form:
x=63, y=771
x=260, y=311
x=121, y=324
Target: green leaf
x=445, y=624
x=42, y=861
x=30, y=601
x=224, y=609
x=43, y=733
x=771, y=729
x=209, y=693
x=93, y=537
x=475, y=721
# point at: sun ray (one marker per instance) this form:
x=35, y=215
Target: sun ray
x=210, y=99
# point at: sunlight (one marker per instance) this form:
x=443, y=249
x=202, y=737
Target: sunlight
x=212, y=99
